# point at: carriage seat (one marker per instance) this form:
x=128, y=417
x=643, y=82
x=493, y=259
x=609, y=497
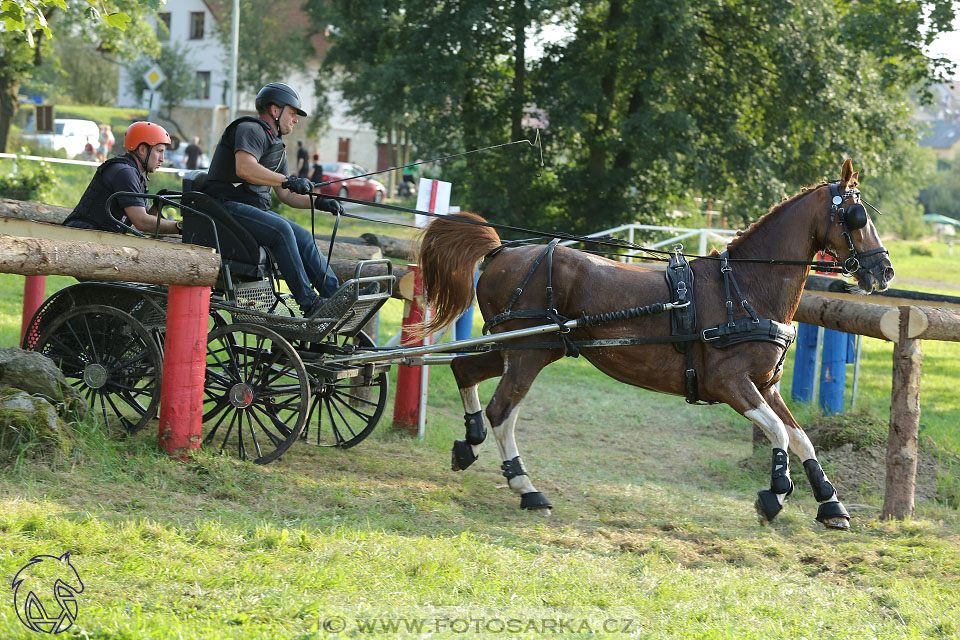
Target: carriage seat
x=239, y=251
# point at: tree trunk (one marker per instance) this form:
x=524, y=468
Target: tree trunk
x=904, y=424
x=36, y=211
x=9, y=88
x=190, y=266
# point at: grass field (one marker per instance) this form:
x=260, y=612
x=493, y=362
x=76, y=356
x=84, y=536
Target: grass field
x=653, y=533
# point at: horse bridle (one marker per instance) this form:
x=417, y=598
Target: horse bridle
x=850, y=218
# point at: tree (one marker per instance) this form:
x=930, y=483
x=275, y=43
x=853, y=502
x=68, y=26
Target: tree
x=648, y=101
x=115, y=25
x=273, y=42
x=180, y=82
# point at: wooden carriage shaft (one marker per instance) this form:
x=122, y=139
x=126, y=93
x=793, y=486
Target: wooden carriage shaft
x=404, y=352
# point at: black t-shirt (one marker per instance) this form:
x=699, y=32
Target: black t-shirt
x=193, y=153
x=250, y=137
x=116, y=176
x=303, y=155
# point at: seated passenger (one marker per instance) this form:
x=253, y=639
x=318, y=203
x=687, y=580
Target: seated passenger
x=145, y=143
x=249, y=160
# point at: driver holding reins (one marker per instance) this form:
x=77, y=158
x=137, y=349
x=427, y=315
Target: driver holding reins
x=250, y=160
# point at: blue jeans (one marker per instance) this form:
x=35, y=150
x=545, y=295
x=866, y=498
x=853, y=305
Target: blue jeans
x=293, y=248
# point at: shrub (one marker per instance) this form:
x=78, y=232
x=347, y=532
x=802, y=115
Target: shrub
x=34, y=182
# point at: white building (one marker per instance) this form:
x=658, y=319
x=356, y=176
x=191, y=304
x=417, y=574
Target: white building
x=193, y=25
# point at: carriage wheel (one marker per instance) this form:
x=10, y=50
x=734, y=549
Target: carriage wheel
x=345, y=411
x=256, y=393
x=112, y=360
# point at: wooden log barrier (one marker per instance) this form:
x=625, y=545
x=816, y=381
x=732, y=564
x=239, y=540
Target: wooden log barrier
x=178, y=264
x=393, y=247
x=900, y=483
x=36, y=211
x=905, y=326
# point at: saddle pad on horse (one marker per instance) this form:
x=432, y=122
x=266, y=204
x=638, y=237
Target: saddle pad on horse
x=683, y=320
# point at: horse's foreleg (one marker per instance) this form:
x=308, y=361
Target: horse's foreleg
x=831, y=512
x=770, y=501
x=519, y=373
x=469, y=372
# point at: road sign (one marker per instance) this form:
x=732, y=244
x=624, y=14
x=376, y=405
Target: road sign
x=154, y=77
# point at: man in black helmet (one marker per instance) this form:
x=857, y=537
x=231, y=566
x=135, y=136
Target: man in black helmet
x=249, y=161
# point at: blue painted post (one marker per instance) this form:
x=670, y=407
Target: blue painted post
x=833, y=371
x=463, y=328
x=804, y=363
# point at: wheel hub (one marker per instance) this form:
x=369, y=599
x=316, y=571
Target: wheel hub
x=241, y=395
x=95, y=376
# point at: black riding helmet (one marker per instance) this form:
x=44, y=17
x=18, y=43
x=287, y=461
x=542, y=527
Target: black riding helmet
x=281, y=95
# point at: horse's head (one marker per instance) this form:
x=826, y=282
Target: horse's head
x=851, y=237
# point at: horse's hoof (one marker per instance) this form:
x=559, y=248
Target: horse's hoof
x=535, y=500
x=833, y=515
x=461, y=456
x=767, y=506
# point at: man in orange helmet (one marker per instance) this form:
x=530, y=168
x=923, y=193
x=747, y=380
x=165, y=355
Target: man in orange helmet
x=145, y=143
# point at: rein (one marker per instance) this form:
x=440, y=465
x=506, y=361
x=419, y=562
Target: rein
x=656, y=254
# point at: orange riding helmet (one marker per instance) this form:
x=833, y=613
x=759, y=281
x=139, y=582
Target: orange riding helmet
x=145, y=133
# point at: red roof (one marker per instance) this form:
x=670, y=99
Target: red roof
x=290, y=10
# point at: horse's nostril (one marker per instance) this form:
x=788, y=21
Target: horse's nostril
x=888, y=274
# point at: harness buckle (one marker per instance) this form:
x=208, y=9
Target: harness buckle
x=725, y=266
x=705, y=338
x=851, y=265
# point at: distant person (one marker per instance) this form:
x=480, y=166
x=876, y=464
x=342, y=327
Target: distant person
x=145, y=143
x=89, y=153
x=303, y=161
x=110, y=139
x=317, y=169
x=102, y=144
x=193, y=153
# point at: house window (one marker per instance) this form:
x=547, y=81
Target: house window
x=196, y=25
x=203, y=85
x=163, y=20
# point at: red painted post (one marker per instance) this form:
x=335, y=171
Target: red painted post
x=184, y=367
x=406, y=406
x=34, y=293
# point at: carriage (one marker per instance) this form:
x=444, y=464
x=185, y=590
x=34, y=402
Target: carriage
x=268, y=379
x=273, y=373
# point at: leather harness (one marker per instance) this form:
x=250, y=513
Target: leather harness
x=679, y=278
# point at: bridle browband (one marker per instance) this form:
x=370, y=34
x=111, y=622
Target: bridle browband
x=850, y=219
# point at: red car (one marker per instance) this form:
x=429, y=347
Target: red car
x=352, y=186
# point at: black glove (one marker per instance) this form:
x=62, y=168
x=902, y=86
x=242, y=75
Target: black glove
x=166, y=192
x=329, y=204
x=298, y=185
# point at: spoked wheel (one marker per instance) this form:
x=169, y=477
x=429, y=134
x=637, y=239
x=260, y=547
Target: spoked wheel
x=112, y=360
x=344, y=411
x=256, y=394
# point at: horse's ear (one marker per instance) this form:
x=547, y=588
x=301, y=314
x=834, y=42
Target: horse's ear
x=846, y=172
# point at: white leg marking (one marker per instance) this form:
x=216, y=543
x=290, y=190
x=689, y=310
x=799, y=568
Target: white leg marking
x=508, y=451
x=771, y=424
x=471, y=404
x=800, y=444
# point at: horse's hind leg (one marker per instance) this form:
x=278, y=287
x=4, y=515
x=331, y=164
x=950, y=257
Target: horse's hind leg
x=469, y=372
x=520, y=369
x=831, y=512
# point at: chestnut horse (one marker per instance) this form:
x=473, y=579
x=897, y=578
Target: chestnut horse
x=827, y=216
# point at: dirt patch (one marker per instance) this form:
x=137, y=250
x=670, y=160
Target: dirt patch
x=864, y=471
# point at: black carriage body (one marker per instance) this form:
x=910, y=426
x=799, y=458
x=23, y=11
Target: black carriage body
x=251, y=321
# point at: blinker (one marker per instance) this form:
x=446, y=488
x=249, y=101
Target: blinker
x=856, y=217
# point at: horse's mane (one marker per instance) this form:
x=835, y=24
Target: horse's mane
x=783, y=204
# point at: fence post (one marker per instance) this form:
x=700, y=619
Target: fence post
x=898, y=495
x=34, y=293
x=833, y=371
x=184, y=368
x=406, y=406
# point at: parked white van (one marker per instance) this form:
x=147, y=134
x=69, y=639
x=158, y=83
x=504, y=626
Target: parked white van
x=69, y=134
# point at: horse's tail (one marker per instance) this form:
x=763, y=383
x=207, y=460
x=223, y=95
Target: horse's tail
x=448, y=257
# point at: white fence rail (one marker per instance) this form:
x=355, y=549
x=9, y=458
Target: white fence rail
x=703, y=236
